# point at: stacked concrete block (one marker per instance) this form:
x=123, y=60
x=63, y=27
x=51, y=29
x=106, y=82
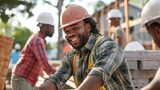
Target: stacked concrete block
x=143, y=66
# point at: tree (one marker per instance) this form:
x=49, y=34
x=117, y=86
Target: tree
x=2, y=26
x=9, y=8
x=140, y=2
x=21, y=35
x=5, y=28
x=59, y=7
x=98, y=5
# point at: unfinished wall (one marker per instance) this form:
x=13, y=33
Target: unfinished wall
x=143, y=66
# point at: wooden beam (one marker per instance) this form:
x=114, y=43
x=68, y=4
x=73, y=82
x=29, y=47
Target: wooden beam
x=109, y=27
x=97, y=19
x=135, y=22
x=132, y=23
x=115, y=4
x=102, y=22
x=127, y=20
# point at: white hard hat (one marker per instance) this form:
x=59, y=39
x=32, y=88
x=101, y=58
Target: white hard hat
x=45, y=18
x=114, y=13
x=134, y=46
x=150, y=12
x=17, y=46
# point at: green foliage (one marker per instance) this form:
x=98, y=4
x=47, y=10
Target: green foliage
x=51, y=45
x=2, y=26
x=48, y=46
x=99, y=4
x=15, y=6
x=21, y=35
x=140, y=2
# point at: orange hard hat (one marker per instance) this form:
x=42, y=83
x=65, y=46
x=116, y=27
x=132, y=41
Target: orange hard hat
x=72, y=14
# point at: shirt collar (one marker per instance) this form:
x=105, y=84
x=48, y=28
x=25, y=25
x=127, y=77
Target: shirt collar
x=42, y=36
x=90, y=44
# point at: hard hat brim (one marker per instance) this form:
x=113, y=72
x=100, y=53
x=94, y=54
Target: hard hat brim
x=73, y=22
x=150, y=21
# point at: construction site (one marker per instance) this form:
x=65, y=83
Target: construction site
x=143, y=64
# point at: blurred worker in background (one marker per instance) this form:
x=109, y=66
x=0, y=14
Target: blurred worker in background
x=151, y=21
x=117, y=33
x=66, y=46
x=33, y=57
x=15, y=53
x=95, y=62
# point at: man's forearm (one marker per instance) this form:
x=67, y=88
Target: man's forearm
x=90, y=83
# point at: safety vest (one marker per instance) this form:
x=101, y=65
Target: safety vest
x=90, y=63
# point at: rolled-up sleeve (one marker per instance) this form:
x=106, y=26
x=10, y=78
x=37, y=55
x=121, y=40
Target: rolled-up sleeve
x=63, y=73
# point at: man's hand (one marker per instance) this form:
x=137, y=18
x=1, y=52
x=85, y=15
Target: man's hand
x=44, y=75
x=47, y=85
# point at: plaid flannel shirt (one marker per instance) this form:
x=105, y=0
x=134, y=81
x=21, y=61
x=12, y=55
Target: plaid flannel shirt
x=109, y=65
x=33, y=59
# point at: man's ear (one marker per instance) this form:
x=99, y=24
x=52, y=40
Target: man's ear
x=88, y=27
x=157, y=31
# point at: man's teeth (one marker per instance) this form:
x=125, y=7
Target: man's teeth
x=74, y=39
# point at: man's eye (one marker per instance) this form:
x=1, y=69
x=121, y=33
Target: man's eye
x=75, y=28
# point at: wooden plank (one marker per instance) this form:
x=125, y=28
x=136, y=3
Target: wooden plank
x=97, y=19
x=132, y=22
x=126, y=7
x=115, y=4
x=102, y=22
x=135, y=22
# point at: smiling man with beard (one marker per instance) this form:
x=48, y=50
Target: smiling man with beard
x=95, y=62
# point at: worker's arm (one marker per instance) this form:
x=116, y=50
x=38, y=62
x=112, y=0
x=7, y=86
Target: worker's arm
x=155, y=83
x=90, y=83
x=57, y=80
x=121, y=37
x=119, y=40
x=41, y=55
